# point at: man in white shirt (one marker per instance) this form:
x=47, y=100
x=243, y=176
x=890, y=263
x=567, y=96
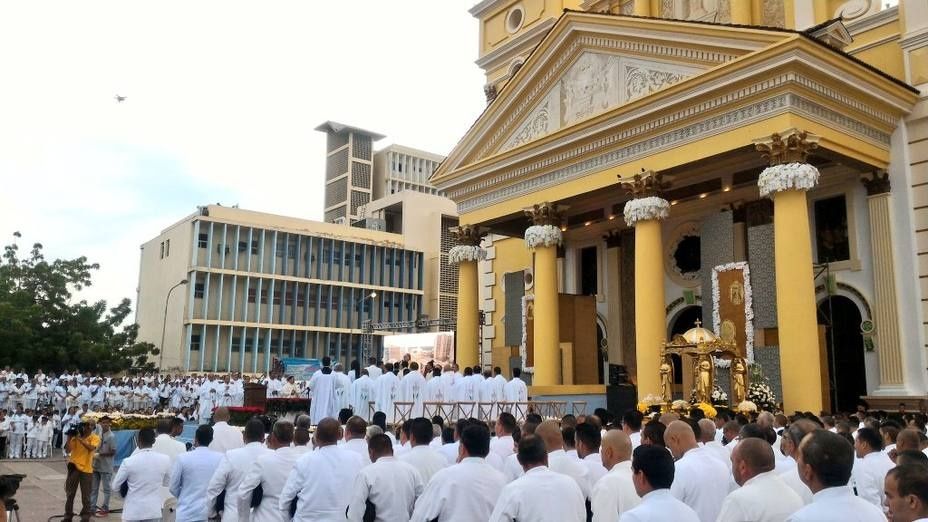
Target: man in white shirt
x=270, y=471
x=587, y=439
x=165, y=444
x=763, y=496
x=700, y=480
x=466, y=491
x=321, y=481
x=388, y=488
x=792, y=437
x=373, y=370
x=631, y=425
x=869, y=473
x=615, y=493
x=386, y=389
x=558, y=460
x=355, y=438
x=412, y=389
x=530, y=496
x=191, y=475
x=516, y=390
x=825, y=463
x=707, y=436
x=652, y=474
x=225, y=437
x=502, y=444
x=907, y=493
x=144, y=474
x=232, y=469
x=426, y=461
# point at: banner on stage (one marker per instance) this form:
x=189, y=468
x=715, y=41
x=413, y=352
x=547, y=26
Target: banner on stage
x=422, y=347
x=301, y=369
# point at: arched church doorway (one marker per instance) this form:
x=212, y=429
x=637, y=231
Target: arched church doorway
x=683, y=321
x=845, y=347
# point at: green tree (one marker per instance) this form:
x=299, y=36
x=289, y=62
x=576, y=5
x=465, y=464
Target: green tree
x=40, y=326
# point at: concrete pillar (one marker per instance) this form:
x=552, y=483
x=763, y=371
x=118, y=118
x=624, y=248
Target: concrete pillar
x=786, y=181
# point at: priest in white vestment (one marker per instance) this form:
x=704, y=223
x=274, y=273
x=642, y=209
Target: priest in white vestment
x=652, y=474
x=342, y=392
x=411, y=389
x=530, y=497
x=324, y=386
x=436, y=388
x=386, y=388
x=763, y=496
x=362, y=392
x=516, y=391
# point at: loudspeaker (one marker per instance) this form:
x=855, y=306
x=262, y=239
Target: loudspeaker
x=620, y=399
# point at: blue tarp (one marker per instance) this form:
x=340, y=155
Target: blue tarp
x=125, y=445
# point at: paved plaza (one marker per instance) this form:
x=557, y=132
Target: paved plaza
x=41, y=495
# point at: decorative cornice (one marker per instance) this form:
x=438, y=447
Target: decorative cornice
x=791, y=146
x=645, y=184
x=877, y=183
x=468, y=235
x=546, y=213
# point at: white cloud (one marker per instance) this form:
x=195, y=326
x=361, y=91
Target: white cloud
x=222, y=100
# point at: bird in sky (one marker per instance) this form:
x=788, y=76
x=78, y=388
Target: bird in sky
x=120, y=99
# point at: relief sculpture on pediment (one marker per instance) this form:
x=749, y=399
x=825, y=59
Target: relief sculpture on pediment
x=589, y=87
x=536, y=127
x=640, y=81
x=701, y=10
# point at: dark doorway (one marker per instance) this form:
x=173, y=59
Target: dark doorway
x=845, y=346
x=600, y=347
x=588, y=271
x=683, y=321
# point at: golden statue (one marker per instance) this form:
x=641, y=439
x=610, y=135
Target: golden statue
x=738, y=384
x=704, y=379
x=666, y=380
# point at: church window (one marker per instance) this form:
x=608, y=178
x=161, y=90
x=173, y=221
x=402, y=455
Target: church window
x=514, y=19
x=831, y=230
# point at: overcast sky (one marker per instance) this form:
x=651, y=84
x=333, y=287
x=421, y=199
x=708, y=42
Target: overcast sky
x=222, y=101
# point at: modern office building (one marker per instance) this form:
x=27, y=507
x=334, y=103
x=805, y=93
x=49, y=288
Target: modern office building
x=356, y=175
x=348, y=170
x=262, y=285
x=398, y=168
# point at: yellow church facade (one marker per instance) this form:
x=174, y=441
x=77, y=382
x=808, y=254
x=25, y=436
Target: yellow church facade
x=634, y=153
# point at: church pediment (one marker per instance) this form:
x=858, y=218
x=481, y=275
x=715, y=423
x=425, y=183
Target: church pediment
x=590, y=64
x=593, y=84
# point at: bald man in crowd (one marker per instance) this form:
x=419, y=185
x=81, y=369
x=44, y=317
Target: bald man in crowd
x=707, y=438
x=615, y=493
x=225, y=437
x=558, y=460
x=700, y=479
x=387, y=489
x=763, y=496
x=321, y=481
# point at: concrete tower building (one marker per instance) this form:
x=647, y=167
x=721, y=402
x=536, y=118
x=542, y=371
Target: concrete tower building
x=348, y=170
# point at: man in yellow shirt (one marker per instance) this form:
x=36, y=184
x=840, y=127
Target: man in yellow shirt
x=80, y=470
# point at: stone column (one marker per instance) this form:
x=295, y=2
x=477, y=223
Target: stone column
x=645, y=212
x=642, y=8
x=886, y=306
x=543, y=238
x=466, y=255
x=614, y=296
x=786, y=181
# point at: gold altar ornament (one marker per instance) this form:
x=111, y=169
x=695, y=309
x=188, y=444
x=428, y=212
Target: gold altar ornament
x=700, y=347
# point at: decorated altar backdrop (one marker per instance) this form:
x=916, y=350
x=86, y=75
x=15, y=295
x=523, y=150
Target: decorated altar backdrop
x=732, y=311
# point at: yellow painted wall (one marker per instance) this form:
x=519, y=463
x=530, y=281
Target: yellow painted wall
x=493, y=33
x=887, y=56
x=511, y=256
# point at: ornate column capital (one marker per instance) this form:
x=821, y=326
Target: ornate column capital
x=546, y=225
x=646, y=203
x=468, y=239
x=790, y=146
x=878, y=183
x=490, y=91
x=787, y=152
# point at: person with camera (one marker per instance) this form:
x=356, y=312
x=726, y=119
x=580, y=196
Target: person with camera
x=82, y=444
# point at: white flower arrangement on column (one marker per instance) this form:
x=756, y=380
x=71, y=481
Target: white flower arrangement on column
x=543, y=235
x=787, y=176
x=523, y=353
x=748, y=309
x=643, y=209
x=465, y=253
